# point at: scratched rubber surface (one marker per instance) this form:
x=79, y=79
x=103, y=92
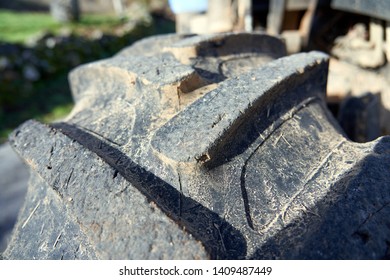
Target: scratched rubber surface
x=197, y=147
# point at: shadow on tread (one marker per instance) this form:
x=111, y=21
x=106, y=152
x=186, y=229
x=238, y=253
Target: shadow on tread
x=221, y=240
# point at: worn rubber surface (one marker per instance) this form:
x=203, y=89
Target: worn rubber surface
x=188, y=147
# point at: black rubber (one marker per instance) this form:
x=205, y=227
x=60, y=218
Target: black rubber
x=194, y=147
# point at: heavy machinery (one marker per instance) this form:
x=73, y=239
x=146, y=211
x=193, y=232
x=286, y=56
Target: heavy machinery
x=221, y=145
x=193, y=147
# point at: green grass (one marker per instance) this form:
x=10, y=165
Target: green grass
x=16, y=27
x=39, y=101
x=100, y=21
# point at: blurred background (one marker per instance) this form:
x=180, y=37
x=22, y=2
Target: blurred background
x=42, y=40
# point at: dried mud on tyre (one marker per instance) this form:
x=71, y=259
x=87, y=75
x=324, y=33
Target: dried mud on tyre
x=196, y=147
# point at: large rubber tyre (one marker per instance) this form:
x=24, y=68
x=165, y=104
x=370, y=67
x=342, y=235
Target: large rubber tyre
x=202, y=147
